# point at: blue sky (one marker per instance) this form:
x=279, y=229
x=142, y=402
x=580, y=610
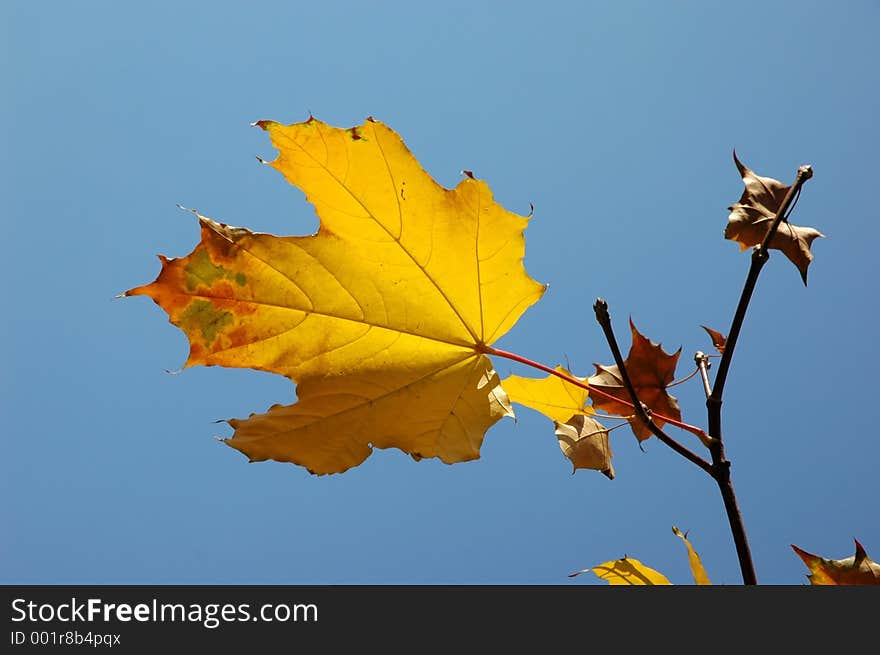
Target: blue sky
x=616, y=120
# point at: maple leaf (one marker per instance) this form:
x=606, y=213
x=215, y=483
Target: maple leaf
x=626, y=571
x=651, y=370
x=697, y=570
x=718, y=339
x=380, y=318
x=858, y=569
x=751, y=217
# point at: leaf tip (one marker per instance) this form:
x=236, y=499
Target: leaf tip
x=265, y=124
x=804, y=555
x=719, y=341
x=187, y=209
x=860, y=551
x=743, y=169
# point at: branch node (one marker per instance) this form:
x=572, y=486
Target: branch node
x=703, y=364
x=601, y=309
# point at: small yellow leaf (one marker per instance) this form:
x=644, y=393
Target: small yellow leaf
x=699, y=573
x=552, y=396
x=628, y=572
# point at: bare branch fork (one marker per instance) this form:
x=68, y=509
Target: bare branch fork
x=642, y=413
x=719, y=469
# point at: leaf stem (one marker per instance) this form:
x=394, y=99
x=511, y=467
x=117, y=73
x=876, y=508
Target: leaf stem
x=684, y=379
x=489, y=350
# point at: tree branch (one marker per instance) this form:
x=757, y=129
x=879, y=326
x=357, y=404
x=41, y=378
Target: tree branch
x=760, y=255
x=720, y=464
x=604, y=319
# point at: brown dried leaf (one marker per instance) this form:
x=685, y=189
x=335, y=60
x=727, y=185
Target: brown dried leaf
x=650, y=370
x=585, y=442
x=718, y=339
x=751, y=217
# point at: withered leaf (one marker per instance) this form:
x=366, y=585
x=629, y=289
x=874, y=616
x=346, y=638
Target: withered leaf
x=718, y=339
x=650, y=369
x=751, y=217
x=585, y=442
x=857, y=569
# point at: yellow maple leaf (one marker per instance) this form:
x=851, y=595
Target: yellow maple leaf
x=381, y=318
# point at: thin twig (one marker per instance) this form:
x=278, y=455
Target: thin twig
x=687, y=377
x=604, y=319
